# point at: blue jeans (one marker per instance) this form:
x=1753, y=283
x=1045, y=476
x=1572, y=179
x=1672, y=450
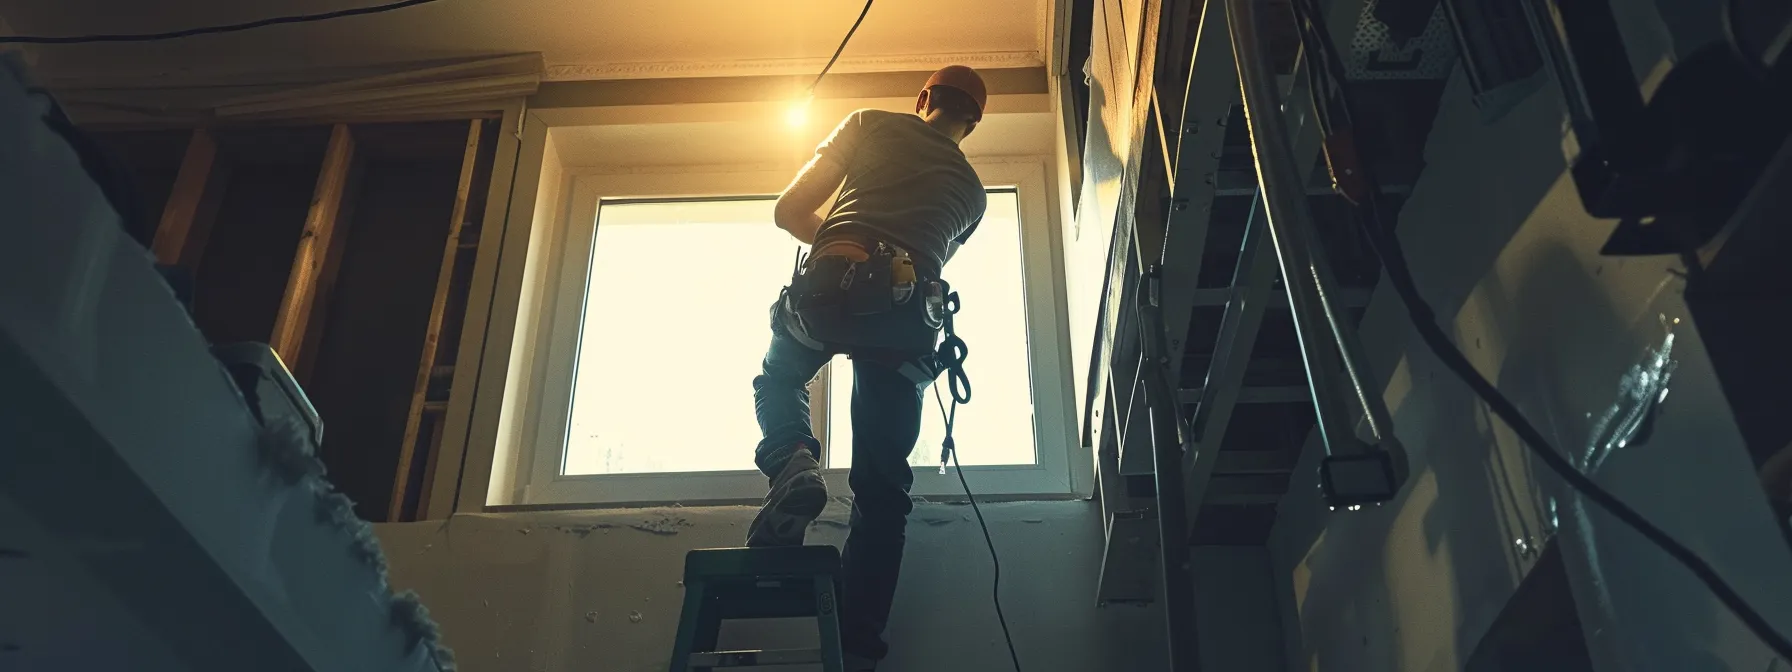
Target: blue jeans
x=886, y=421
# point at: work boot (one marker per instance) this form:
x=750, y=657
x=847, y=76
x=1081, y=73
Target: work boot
x=797, y=497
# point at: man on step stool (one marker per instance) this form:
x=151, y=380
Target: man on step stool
x=870, y=288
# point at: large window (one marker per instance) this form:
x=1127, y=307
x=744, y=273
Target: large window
x=676, y=319
x=997, y=427
x=697, y=337
x=661, y=315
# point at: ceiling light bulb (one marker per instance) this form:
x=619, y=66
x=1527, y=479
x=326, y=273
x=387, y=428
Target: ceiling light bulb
x=798, y=114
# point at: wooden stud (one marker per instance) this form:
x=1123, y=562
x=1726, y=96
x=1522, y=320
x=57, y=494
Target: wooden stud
x=432, y=335
x=187, y=218
x=326, y=280
x=314, y=247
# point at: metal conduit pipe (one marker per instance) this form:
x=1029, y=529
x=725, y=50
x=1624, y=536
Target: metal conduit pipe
x=1354, y=472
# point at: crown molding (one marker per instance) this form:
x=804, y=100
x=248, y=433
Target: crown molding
x=607, y=170
x=566, y=72
x=779, y=167
x=787, y=66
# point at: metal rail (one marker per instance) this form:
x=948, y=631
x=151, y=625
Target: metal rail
x=1324, y=338
x=1168, y=446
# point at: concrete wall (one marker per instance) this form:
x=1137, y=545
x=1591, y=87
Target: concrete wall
x=599, y=590
x=1503, y=250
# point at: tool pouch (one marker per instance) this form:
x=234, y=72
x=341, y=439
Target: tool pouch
x=836, y=304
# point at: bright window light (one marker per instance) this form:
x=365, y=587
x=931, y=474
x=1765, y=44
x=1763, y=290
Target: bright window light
x=677, y=319
x=996, y=428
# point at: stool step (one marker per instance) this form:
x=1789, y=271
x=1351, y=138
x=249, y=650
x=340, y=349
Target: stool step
x=782, y=561
x=756, y=658
x=724, y=584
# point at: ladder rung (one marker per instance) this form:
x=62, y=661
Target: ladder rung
x=756, y=658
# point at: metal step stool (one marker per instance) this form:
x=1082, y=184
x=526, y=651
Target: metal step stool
x=749, y=583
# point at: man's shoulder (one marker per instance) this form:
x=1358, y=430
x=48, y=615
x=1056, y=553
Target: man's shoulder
x=870, y=116
x=873, y=113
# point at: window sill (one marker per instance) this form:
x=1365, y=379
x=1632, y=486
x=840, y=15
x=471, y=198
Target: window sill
x=1030, y=482
x=688, y=503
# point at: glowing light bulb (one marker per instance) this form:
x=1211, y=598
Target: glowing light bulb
x=798, y=114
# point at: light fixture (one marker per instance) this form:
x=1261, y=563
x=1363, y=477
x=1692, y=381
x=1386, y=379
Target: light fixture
x=798, y=114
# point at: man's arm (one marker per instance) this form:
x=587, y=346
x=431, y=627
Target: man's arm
x=798, y=209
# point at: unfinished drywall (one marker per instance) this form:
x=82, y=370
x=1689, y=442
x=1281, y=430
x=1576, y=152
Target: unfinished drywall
x=1503, y=250
x=599, y=590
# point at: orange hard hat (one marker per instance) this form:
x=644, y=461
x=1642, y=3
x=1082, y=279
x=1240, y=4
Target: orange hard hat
x=964, y=79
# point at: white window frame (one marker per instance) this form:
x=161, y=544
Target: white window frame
x=1061, y=470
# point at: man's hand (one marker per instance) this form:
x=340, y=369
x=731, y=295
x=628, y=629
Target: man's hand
x=798, y=209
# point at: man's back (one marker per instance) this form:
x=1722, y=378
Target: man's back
x=905, y=183
x=902, y=180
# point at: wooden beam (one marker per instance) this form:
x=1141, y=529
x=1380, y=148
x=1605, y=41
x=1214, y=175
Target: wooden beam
x=326, y=280
x=432, y=335
x=314, y=247
x=186, y=221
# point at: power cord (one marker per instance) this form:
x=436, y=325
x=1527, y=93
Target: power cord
x=1386, y=246
x=842, y=47
x=212, y=30
x=951, y=355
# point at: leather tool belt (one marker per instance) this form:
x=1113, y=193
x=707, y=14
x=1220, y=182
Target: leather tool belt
x=838, y=305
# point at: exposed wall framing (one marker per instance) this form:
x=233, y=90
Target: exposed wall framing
x=349, y=248
x=435, y=371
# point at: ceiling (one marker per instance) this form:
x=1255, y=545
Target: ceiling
x=580, y=39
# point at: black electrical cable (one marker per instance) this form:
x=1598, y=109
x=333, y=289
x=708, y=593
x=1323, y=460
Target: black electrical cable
x=1386, y=246
x=951, y=356
x=211, y=30
x=842, y=47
